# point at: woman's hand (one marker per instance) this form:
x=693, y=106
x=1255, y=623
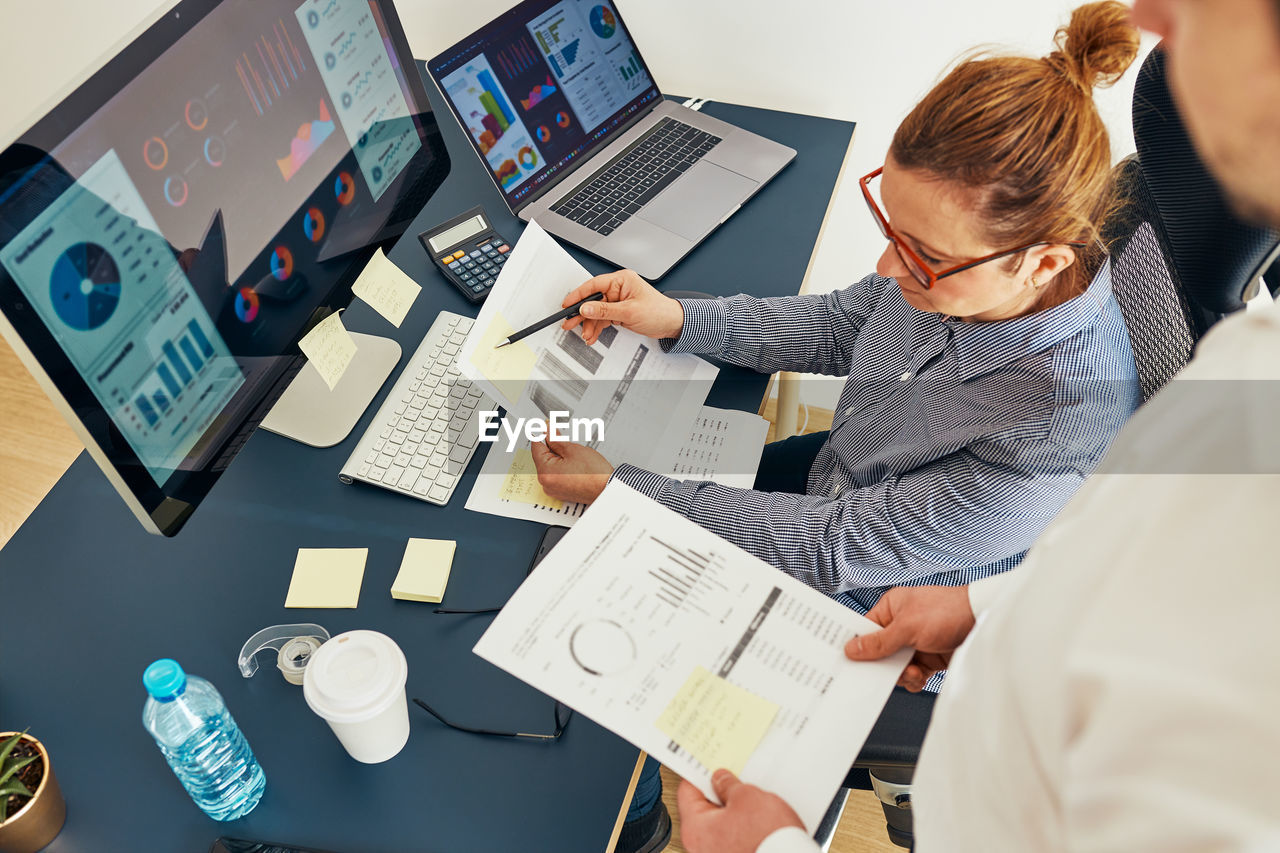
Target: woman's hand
x=630, y=302
x=570, y=472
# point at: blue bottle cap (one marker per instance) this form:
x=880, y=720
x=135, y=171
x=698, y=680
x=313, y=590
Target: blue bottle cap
x=164, y=679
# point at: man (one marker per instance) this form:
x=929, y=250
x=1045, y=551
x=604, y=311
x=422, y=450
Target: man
x=1120, y=689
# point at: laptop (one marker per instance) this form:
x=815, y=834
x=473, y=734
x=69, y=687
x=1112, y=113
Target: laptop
x=560, y=106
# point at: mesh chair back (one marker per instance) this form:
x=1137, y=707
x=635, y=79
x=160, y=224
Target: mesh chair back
x=1217, y=257
x=1181, y=259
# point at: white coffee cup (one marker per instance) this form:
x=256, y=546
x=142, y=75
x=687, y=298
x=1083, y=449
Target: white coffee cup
x=355, y=683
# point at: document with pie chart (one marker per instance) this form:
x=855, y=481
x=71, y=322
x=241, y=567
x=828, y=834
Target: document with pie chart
x=695, y=651
x=95, y=267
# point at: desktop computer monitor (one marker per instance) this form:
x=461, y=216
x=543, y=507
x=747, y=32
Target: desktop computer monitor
x=173, y=227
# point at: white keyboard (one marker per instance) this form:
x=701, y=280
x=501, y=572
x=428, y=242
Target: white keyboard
x=427, y=429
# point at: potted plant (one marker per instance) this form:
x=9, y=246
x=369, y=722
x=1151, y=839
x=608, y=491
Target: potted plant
x=32, y=810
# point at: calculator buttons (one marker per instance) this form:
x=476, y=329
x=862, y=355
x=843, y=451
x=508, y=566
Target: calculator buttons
x=504, y=248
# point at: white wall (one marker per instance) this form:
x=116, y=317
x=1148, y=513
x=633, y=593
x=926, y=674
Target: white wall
x=862, y=60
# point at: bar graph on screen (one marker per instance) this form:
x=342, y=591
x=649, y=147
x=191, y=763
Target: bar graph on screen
x=269, y=66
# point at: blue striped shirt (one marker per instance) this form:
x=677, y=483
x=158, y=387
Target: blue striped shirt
x=953, y=446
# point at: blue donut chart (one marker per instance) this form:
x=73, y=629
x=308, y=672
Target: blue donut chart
x=85, y=286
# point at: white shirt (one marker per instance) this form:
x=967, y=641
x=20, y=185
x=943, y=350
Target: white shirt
x=1121, y=690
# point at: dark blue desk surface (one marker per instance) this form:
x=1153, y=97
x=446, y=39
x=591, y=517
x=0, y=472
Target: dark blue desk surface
x=88, y=600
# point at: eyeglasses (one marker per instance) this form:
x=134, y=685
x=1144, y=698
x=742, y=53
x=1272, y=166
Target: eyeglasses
x=563, y=715
x=562, y=711
x=919, y=270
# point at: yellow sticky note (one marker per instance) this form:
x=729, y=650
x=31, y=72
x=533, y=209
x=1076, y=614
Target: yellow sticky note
x=327, y=577
x=522, y=482
x=716, y=722
x=387, y=288
x=330, y=347
x=424, y=571
x=508, y=368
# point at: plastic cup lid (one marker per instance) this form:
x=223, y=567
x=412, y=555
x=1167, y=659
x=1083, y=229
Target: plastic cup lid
x=355, y=676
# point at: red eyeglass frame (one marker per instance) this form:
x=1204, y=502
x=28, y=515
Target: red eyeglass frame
x=919, y=270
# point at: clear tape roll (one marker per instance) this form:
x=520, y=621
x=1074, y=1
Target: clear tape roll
x=293, y=644
x=294, y=656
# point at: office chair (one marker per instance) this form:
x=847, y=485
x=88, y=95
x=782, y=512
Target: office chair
x=1180, y=261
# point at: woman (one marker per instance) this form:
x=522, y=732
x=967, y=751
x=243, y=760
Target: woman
x=989, y=366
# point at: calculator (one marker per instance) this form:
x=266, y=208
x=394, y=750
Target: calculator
x=468, y=251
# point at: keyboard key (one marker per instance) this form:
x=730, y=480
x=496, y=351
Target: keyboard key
x=392, y=476
x=460, y=454
x=422, y=486
x=446, y=480
x=430, y=472
x=409, y=479
x=418, y=462
x=384, y=460
x=377, y=474
x=439, y=493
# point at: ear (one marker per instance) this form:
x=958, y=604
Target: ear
x=1043, y=263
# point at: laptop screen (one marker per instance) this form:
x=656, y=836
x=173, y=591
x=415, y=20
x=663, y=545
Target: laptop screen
x=541, y=87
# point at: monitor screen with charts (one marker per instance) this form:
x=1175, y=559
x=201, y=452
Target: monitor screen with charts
x=542, y=87
x=172, y=228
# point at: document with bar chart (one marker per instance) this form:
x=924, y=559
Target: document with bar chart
x=687, y=646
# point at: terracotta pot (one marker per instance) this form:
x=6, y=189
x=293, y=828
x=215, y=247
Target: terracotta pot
x=39, y=821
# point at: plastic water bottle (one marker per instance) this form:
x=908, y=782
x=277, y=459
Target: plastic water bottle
x=201, y=742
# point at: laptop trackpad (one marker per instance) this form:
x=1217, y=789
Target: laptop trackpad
x=696, y=203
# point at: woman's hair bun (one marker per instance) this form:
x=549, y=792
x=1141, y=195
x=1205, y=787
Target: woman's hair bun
x=1097, y=46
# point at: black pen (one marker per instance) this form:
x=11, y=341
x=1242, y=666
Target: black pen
x=562, y=314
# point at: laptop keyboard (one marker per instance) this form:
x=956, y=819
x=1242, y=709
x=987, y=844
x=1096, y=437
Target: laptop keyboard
x=631, y=181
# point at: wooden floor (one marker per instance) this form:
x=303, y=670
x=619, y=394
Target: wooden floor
x=36, y=446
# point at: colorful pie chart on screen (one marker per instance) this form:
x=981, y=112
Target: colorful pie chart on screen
x=562, y=119
x=247, y=305
x=281, y=263
x=85, y=286
x=344, y=187
x=602, y=21
x=155, y=153
x=528, y=159
x=313, y=224
x=175, y=190
x=544, y=133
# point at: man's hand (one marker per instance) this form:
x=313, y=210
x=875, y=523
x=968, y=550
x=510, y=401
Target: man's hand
x=749, y=816
x=570, y=471
x=630, y=302
x=934, y=620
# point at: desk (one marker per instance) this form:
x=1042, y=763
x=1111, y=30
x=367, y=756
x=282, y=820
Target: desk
x=89, y=600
